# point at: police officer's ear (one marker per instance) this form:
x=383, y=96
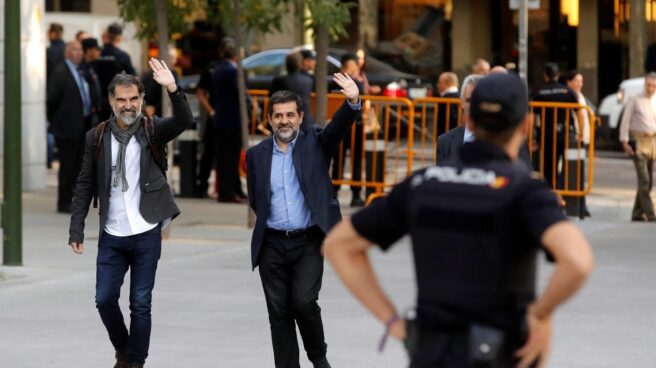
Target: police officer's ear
x=525, y=125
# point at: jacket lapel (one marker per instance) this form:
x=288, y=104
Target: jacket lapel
x=267, y=151
x=107, y=157
x=457, y=139
x=297, y=155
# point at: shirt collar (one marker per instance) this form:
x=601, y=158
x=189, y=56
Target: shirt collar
x=469, y=136
x=450, y=90
x=290, y=145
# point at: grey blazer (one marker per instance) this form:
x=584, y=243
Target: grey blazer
x=157, y=202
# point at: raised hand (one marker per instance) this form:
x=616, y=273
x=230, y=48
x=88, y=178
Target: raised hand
x=162, y=74
x=349, y=88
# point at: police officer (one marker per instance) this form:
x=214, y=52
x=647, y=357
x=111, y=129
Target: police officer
x=554, y=91
x=476, y=222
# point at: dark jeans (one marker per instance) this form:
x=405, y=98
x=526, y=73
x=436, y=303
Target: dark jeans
x=356, y=158
x=70, y=153
x=228, y=150
x=291, y=272
x=208, y=157
x=140, y=254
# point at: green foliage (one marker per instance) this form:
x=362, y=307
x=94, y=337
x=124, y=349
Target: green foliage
x=332, y=13
x=262, y=15
x=142, y=12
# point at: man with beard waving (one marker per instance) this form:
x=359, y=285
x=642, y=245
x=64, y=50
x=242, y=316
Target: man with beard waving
x=290, y=190
x=123, y=165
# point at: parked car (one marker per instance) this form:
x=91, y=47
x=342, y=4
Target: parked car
x=612, y=107
x=263, y=66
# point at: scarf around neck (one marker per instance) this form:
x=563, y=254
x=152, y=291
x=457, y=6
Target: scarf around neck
x=123, y=137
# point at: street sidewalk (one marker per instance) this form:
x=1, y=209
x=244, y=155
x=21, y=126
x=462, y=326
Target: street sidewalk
x=209, y=311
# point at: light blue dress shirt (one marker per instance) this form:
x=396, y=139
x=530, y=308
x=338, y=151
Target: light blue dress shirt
x=288, y=208
x=82, y=85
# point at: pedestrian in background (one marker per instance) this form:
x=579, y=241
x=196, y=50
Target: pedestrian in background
x=553, y=152
x=54, y=57
x=638, y=138
x=309, y=63
x=114, y=34
x=227, y=124
x=362, y=75
x=447, y=87
x=575, y=83
x=69, y=110
x=55, y=52
x=291, y=193
x=125, y=170
x=476, y=224
x=297, y=82
x=353, y=140
x=481, y=66
x=91, y=52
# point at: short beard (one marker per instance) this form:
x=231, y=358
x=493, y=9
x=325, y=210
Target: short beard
x=126, y=116
x=286, y=138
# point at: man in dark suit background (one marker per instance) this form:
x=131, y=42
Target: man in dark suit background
x=298, y=82
x=290, y=190
x=69, y=110
x=353, y=139
x=449, y=143
x=227, y=124
x=447, y=87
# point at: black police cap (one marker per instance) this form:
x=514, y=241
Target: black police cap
x=90, y=43
x=499, y=102
x=308, y=54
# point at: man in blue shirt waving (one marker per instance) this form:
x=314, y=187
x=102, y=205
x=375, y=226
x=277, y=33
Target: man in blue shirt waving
x=290, y=190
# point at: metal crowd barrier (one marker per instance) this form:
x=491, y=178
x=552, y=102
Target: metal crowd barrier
x=557, y=149
x=434, y=116
x=398, y=135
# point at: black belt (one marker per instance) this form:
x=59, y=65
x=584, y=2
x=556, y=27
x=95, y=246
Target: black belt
x=289, y=234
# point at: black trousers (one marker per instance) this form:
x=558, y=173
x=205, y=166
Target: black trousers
x=451, y=350
x=228, y=149
x=356, y=158
x=71, y=152
x=207, y=158
x=291, y=270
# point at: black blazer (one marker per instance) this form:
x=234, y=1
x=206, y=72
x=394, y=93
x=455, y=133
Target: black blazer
x=453, y=114
x=449, y=143
x=64, y=105
x=157, y=202
x=312, y=153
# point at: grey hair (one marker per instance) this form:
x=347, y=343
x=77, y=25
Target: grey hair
x=472, y=79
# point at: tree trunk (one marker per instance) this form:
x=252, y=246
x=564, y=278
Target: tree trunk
x=638, y=43
x=163, y=32
x=241, y=86
x=321, y=86
x=367, y=24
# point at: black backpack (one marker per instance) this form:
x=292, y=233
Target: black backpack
x=159, y=152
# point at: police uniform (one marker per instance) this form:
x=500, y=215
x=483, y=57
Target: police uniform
x=554, y=91
x=475, y=222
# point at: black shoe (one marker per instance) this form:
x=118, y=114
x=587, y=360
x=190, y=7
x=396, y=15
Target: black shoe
x=357, y=202
x=321, y=363
x=121, y=359
x=135, y=365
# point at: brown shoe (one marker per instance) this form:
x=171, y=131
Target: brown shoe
x=121, y=359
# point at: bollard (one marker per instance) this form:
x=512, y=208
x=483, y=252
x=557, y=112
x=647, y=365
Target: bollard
x=374, y=157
